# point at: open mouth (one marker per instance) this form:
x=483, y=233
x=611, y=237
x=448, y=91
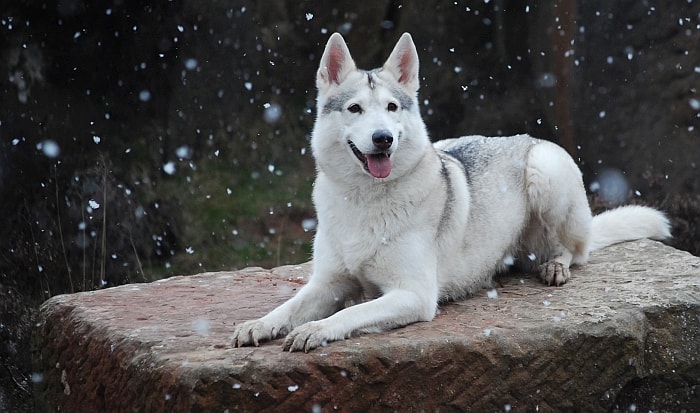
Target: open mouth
x=377, y=164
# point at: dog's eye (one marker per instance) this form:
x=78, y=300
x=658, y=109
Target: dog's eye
x=355, y=108
x=392, y=107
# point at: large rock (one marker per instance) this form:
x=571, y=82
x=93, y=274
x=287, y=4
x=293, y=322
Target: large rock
x=623, y=334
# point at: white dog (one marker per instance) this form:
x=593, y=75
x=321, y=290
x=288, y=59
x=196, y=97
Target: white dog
x=405, y=224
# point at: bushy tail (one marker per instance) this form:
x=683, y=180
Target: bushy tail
x=628, y=223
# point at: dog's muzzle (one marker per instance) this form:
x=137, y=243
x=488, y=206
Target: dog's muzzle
x=378, y=163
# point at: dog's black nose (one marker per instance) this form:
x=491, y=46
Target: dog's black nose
x=382, y=139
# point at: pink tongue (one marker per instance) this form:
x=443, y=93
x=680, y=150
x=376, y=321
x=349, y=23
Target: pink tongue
x=379, y=165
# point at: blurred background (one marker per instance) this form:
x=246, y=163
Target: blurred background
x=145, y=139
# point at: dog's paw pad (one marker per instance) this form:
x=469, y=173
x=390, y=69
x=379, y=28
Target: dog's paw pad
x=554, y=273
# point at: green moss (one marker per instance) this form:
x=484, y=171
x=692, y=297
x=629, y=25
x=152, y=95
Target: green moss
x=231, y=218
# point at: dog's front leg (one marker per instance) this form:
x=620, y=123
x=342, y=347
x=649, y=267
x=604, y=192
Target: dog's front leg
x=316, y=300
x=395, y=308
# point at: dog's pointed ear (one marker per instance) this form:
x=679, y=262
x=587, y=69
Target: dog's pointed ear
x=336, y=62
x=403, y=63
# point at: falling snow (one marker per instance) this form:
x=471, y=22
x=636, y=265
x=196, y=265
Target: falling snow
x=272, y=113
x=184, y=152
x=191, y=64
x=694, y=103
x=308, y=224
x=509, y=260
x=201, y=326
x=169, y=168
x=49, y=148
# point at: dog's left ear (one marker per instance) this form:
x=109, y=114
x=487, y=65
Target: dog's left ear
x=403, y=63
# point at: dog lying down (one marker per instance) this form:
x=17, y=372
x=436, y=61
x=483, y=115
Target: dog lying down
x=410, y=223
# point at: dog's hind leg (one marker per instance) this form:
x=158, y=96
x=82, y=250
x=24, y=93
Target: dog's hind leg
x=561, y=218
x=556, y=270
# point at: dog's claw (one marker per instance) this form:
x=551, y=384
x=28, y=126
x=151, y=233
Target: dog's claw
x=306, y=337
x=554, y=273
x=252, y=333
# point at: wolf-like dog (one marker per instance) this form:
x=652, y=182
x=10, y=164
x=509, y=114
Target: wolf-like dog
x=404, y=224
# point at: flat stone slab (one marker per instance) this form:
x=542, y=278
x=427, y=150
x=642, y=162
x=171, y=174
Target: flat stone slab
x=623, y=334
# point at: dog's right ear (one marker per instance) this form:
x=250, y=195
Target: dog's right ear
x=403, y=63
x=336, y=63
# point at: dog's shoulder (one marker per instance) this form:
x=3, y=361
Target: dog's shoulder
x=478, y=154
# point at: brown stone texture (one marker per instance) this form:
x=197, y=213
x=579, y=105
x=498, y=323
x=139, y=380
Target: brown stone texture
x=623, y=334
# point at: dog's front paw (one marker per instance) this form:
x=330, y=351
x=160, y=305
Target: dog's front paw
x=554, y=273
x=253, y=332
x=307, y=337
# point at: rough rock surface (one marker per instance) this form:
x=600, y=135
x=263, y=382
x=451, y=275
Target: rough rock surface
x=623, y=333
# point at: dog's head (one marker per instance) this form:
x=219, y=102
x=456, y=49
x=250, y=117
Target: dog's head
x=368, y=122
